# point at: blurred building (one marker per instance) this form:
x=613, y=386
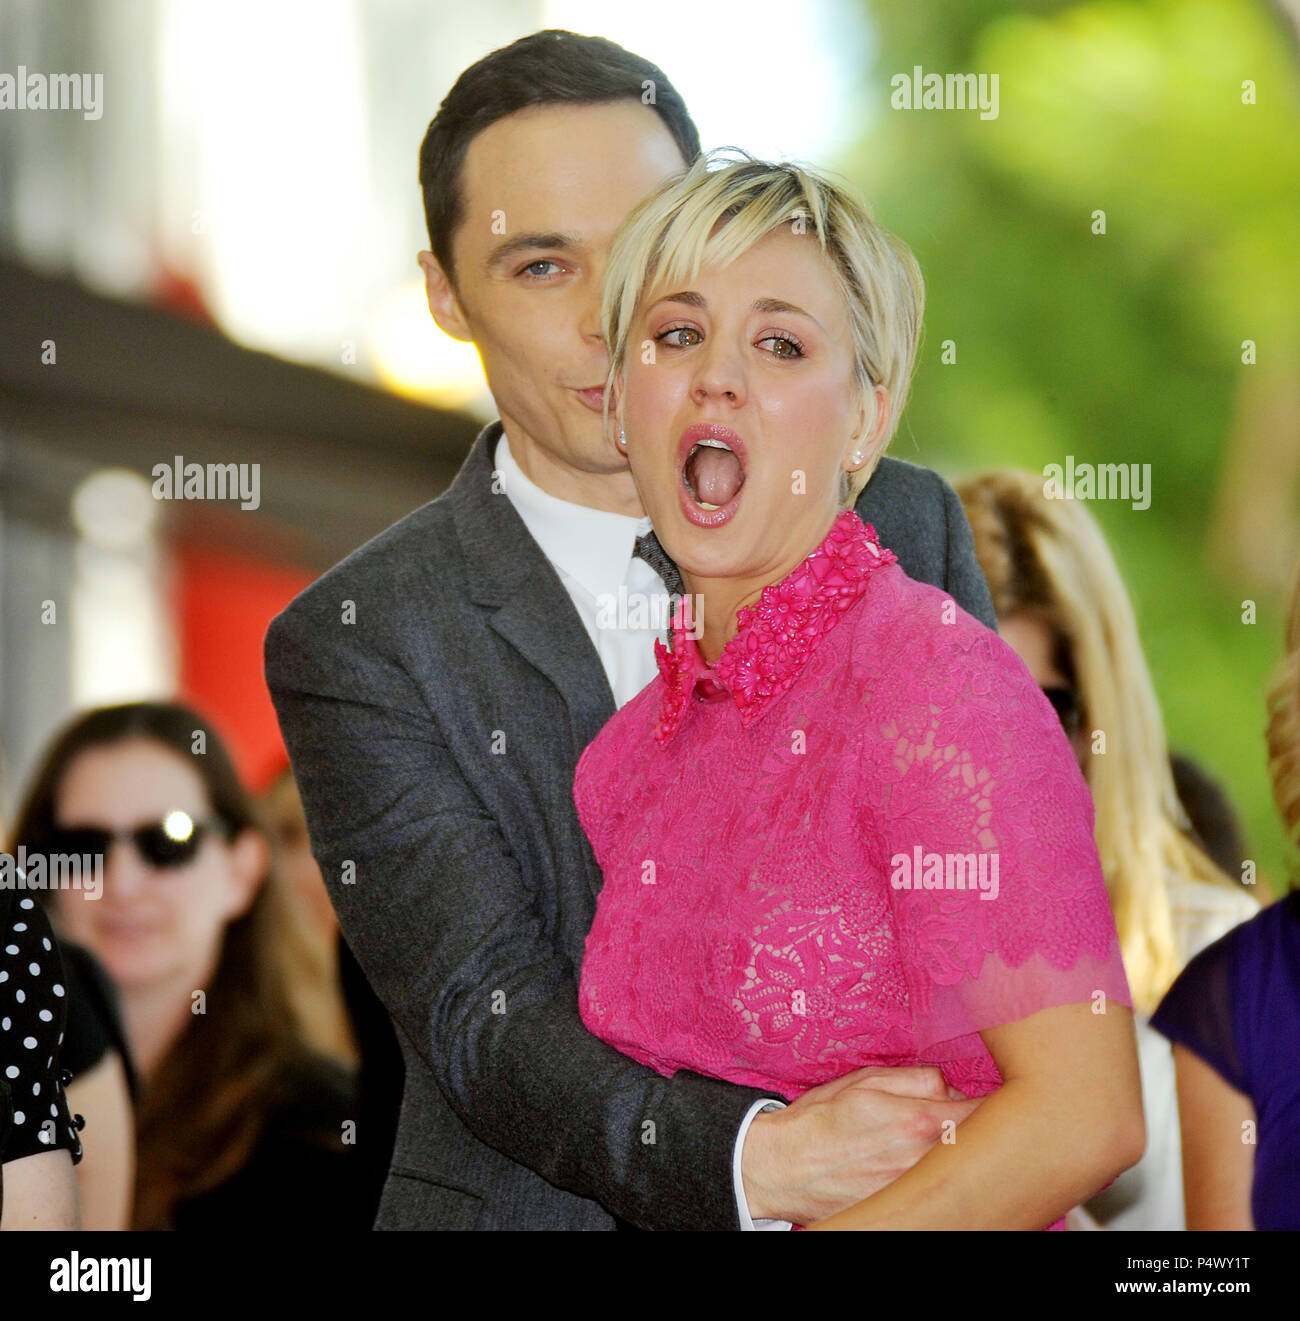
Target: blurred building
x=216, y=263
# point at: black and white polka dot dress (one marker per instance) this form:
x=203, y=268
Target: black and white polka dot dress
x=33, y=1010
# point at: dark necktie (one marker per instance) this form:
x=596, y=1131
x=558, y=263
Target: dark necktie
x=649, y=549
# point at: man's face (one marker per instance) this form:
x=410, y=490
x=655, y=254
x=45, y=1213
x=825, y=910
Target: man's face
x=544, y=192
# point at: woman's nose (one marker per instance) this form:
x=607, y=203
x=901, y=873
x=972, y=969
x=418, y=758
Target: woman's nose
x=125, y=872
x=719, y=375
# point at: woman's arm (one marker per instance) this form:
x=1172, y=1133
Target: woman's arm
x=106, y=1172
x=39, y=1192
x=1067, y=1119
x=1218, y=1163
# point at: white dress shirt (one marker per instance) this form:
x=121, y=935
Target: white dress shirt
x=593, y=553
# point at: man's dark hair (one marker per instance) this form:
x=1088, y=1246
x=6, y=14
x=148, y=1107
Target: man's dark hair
x=547, y=68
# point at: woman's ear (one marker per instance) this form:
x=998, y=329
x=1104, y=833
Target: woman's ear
x=614, y=430
x=250, y=860
x=444, y=305
x=870, y=427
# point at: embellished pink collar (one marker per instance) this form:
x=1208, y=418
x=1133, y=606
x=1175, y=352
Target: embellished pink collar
x=776, y=635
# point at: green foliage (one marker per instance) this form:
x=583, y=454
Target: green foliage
x=1115, y=347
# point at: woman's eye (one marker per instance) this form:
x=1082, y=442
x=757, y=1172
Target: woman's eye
x=785, y=347
x=667, y=336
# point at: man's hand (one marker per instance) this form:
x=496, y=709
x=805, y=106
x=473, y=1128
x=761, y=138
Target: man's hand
x=845, y=1140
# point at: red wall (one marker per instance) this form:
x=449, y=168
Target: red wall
x=223, y=605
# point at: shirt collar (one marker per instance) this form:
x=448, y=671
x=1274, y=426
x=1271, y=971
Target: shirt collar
x=776, y=635
x=591, y=545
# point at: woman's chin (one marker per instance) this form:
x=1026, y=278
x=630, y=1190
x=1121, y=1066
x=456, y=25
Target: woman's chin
x=704, y=553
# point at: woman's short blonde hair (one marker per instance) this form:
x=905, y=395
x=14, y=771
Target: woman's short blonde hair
x=724, y=204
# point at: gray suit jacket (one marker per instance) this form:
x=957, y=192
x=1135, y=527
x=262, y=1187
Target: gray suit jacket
x=435, y=690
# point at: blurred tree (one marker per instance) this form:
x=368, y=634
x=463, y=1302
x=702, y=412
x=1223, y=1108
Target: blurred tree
x=1179, y=122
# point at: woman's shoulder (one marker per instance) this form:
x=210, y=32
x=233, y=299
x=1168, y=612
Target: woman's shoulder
x=33, y=1012
x=629, y=726
x=1202, y=912
x=1265, y=946
x=1270, y=939
x=920, y=611
x=94, y=1016
x=912, y=625
x=316, y=1096
x=304, y=1164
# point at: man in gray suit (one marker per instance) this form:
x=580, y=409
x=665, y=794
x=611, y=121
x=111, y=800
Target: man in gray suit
x=437, y=687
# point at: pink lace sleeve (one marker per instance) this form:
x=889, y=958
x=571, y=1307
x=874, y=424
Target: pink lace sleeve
x=984, y=823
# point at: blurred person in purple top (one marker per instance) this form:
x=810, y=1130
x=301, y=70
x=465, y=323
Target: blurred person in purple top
x=1234, y=1019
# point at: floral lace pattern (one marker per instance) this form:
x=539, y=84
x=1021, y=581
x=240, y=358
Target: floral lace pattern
x=778, y=632
x=772, y=910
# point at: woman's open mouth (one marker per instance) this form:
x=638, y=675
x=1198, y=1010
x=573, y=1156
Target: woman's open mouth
x=711, y=463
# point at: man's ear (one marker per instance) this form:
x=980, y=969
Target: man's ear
x=444, y=305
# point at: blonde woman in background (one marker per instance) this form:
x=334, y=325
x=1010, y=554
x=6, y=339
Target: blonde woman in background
x=1062, y=605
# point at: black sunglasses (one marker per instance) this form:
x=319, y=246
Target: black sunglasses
x=1065, y=702
x=172, y=842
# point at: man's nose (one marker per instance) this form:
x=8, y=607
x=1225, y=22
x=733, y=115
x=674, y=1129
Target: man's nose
x=589, y=326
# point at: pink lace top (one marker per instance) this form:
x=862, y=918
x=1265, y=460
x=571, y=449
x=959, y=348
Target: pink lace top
x=860, y=838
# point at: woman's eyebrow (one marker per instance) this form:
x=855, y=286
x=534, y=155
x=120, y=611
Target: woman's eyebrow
x=769, y=305
x=688, y=297
x=778, y=306
x=532, y=243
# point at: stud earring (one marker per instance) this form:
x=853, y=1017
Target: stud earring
x=622, y=439
x=857, y=456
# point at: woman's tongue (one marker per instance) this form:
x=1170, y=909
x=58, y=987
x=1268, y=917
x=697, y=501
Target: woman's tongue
x=714, y=475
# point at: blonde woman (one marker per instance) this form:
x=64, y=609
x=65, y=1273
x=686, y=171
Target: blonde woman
x=1062, y=605
x=1234, y=1019
x=784, y=814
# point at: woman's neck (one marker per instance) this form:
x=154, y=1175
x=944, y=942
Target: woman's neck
x=717, y=601
x=155, y=1016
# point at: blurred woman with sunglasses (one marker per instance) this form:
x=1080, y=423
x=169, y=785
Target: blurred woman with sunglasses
x=1062, y=605
x=238, y=1121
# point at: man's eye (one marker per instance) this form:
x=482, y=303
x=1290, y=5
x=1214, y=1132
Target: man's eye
x=532, y=269
x=666, y=336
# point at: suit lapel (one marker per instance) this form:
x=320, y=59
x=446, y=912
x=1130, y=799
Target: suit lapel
x=531, y=609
